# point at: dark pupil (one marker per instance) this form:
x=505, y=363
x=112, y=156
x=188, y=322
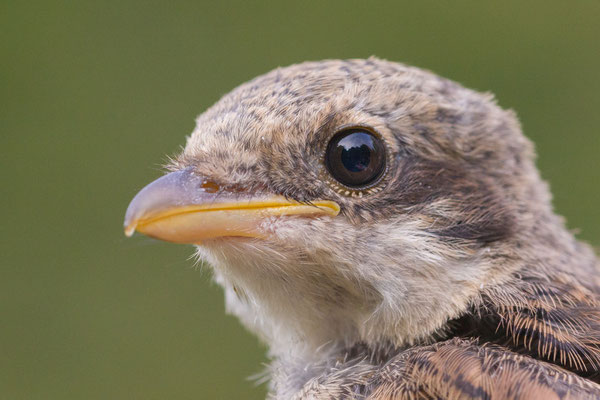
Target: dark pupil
x=355, y=157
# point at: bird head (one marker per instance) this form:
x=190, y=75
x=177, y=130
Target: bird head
x=349, y=201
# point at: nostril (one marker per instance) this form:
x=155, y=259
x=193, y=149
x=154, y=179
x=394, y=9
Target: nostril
x=210, y=187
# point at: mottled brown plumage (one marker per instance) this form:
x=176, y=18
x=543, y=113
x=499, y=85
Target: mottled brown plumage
x=451, y=278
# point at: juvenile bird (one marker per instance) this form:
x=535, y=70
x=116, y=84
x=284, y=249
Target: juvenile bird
x=386, y=232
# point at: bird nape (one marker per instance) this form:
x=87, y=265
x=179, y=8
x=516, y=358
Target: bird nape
x=386, y=233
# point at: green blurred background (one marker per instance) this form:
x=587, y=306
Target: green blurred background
x=94, y=95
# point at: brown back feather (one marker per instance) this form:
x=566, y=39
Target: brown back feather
x=461, y=369
x=556, y=321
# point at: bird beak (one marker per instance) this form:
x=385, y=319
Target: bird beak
x=183, y=207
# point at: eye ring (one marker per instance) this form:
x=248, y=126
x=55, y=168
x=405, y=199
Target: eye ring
x=356, y=158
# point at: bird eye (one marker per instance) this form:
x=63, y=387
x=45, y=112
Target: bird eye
x=355, y=157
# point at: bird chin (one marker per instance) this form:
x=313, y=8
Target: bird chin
x=245, y=267
x=239, y=252
x=277, y=294
x=221, y=251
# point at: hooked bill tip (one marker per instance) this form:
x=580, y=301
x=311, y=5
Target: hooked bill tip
x=129, y=230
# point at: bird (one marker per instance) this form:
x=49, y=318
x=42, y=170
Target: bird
x=386, y=232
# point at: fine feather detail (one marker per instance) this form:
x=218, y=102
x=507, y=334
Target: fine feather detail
x=554, y=321
x=459, y=369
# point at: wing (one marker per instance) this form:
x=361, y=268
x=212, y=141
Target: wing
x=461, y=369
